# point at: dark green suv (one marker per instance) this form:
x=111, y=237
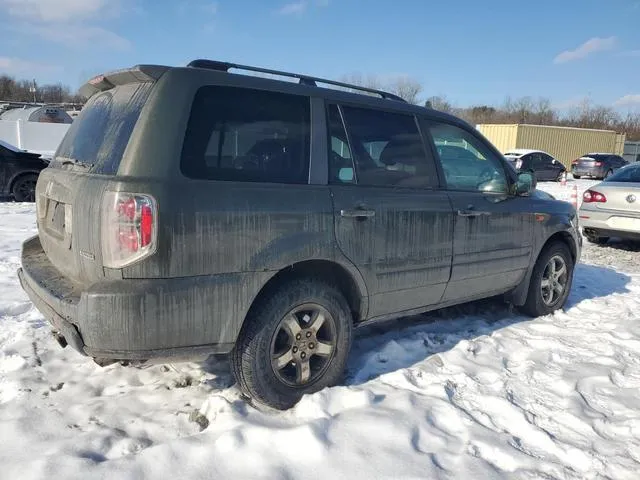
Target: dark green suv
x=194, y=211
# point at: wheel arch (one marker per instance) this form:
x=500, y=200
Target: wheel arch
x=518, y=296
x=348, y=282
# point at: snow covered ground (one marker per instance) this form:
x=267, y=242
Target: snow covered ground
x=470, y=392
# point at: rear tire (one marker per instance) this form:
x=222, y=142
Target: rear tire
x=280, y=356
x=550, y=281
x=24, y=188
x=577, y=177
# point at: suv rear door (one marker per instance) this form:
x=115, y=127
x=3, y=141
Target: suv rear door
x=493, y=232
x=69, y=191
x=391, y=221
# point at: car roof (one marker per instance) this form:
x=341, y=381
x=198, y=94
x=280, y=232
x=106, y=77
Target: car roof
x=598, y=153
x=522, y=151
x=306, y=85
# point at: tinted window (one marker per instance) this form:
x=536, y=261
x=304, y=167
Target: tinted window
x=626, y=174
x=467, y=162
x=101, y=132
x=247, y=135
x=387, y=149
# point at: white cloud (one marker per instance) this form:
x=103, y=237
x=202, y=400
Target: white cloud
x=18, y=66
x=77, y=36
x=49, y=11
x=295, y=8
x=592, y=45
x=628, y=100
x=73, y=23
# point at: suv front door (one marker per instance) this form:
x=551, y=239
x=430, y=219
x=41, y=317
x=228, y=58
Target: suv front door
x=391, y=221
x=493, y=232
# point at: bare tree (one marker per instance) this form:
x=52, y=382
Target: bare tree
x=407, y=88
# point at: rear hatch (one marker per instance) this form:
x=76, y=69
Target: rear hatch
x=587, y=163
x=69, y=192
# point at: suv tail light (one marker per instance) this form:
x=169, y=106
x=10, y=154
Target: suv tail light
x=129, y=228
x=591, y=196
x=575, y=162
x=598, y=164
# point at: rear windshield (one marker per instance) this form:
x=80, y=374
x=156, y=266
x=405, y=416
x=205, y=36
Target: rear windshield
x=627, y=174
x=100, y=134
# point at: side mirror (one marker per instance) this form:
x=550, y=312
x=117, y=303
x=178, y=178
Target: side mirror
x=525, y=184
x=345, y=175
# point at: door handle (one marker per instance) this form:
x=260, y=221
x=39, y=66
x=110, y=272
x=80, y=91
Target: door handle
x=358, y=213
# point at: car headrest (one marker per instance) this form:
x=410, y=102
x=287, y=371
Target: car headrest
x=405, y=149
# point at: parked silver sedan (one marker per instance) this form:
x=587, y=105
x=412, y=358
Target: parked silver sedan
x=612, y=208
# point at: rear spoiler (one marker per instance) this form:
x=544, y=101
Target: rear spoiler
x=137, y=74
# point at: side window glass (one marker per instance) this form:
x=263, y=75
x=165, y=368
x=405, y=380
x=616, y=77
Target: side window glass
x=340, y=163
x=388, y=149
x=468, y=164
x=244, y=135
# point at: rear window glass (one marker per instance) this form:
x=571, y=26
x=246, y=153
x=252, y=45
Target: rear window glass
x=628, y=174
x=238, y=134
x=101, y=132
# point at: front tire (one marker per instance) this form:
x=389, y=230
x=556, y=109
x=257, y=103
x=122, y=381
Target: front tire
x=577, y=177
x=24, y=188
x=596, y=240
x=550, y=281
x=295, y=341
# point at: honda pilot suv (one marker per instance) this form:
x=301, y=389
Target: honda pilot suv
x=207, y=210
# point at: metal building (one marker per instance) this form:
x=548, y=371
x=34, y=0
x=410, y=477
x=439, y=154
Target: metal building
x=632, y=151
x=43, y=114
x=564, y=143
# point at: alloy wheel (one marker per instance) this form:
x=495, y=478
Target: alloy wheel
x=26, y=190
x=554, y=280
x=303, y=345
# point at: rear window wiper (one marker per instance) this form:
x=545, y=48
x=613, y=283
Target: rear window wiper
x=73, y=161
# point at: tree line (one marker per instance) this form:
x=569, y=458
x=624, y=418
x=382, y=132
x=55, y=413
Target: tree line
x=540, y=112
x=14, y=90
x=535, y=111
x=529, y=110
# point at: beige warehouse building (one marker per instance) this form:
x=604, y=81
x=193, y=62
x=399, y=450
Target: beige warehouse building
x=564, y=143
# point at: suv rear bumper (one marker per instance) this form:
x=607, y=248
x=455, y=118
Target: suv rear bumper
x=136, y=319
x=596, y=172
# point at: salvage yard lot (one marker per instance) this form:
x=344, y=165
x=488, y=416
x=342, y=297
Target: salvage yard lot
x=476, y=391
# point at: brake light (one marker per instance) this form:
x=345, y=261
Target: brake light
x=575, y=162
x=591, y=196
x=128, y=228
x=598, y=164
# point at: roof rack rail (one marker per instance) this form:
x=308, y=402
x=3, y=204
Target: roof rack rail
x=302, y=79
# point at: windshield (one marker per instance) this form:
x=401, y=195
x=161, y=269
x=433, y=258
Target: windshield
x=627, y=174
x=99, y=136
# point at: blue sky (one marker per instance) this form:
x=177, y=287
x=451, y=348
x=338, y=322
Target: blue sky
x=473, y=52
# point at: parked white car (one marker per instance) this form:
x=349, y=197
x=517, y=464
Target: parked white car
x=612, y=207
